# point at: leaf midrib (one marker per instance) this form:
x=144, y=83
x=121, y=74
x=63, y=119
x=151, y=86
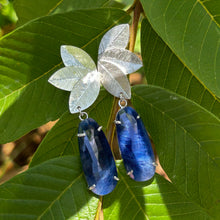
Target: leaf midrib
x=208, y=12
x=175, y=122
x=215, y=98
x=183, y=63
x=59, y=196
x=133, y=195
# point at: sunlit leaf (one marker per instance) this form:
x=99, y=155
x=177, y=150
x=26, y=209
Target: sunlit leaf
x=55, y=189
x=30, y=9
x=163, y=68
x=191, y=31
x=154, y=199
x=186, y=138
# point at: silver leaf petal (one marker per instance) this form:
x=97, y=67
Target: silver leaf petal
x=127, y=61
x=85, y=92
x=66, y=77
x=114, y=80
x=116, y=37
x=74, y=56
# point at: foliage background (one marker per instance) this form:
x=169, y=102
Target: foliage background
x=179, y=105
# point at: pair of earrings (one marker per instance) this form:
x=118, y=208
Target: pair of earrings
x=82, y=78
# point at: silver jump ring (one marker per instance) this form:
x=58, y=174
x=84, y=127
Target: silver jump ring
x=122, y=100
x=82, y=114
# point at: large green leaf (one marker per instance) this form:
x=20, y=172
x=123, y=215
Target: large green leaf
x=163, y=68
x=192, y=33
x=186, y=137
x=154, y=199
x=30, y=54
x=62, y=139
x=55, y=189
x=213, y=8
x=30, y=9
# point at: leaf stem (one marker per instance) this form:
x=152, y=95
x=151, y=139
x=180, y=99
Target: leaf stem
x=134, y=27
x=99, y=213
x=129, y=10
x=111, y=125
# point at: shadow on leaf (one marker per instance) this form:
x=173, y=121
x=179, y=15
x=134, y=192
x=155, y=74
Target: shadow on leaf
x=55, y=189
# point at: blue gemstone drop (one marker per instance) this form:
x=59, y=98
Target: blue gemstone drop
x=135, y=145
x=97, y=160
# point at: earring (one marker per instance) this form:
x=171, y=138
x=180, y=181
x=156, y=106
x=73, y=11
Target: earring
x=134, y=143
x=115, y=62
x=81, y=77
x=96, y=156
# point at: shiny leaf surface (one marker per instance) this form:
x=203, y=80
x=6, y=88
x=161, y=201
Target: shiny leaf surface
x=190, y=30
x=55, y=189
x=186, y=138
x=165, y=69
x=153, y=200
x=31, y=9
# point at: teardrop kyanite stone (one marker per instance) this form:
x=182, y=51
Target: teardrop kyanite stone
x=135, y=145
x=97, y=160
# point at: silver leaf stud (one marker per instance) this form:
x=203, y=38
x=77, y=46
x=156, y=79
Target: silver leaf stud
x=81, y=77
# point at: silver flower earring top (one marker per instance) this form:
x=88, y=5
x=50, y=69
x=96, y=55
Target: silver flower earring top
x=81, y=77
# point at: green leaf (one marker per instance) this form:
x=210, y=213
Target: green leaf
x=62, y=139
x=30, y=9
x=55, y=189
x=69, y=5
x=154, y=199
x=186, y=138
x=165, y=69
x=191, y=32
x=30, y=54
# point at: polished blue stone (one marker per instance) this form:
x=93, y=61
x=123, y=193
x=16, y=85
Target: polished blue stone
x=97, y=160
x=135, y=145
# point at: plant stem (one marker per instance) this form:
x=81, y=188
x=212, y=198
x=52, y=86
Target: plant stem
x=99, y=213
x=134, y=27
x=111, y=125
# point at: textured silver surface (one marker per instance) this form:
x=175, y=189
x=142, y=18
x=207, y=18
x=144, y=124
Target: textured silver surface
x=74, y=56
x=67, y=77
x=84, y=92
x=127, y=61
x=115, y=62
x=80, y=76
x=116, y=37
x=114, y=80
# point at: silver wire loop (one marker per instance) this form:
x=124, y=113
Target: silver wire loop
x=82, y=115
x=122, y=101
